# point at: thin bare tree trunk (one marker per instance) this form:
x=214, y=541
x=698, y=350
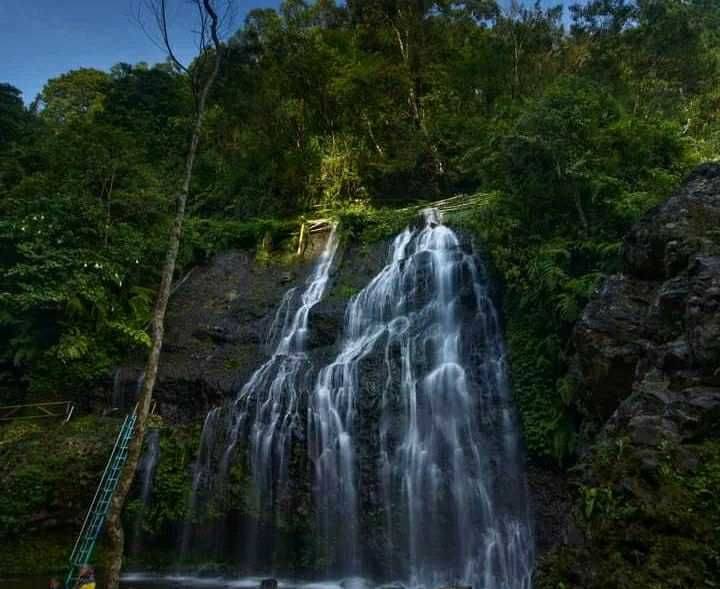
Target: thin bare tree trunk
x=114, y=524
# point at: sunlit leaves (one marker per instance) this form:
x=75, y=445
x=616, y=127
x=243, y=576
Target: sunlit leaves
x=76, y=95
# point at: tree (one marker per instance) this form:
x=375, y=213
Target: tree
x=14, y=122
x=202, y=74
x=12, y=114
x=75, y=95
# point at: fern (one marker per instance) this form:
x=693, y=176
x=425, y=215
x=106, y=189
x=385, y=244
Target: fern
x=72, y=346
x=131, y=335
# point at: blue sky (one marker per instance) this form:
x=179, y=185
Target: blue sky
x=41, y=39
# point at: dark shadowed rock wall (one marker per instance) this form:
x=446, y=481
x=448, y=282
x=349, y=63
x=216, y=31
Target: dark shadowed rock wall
x=647, y=367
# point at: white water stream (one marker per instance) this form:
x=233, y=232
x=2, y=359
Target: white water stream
x=441, y=458
x=453, y=484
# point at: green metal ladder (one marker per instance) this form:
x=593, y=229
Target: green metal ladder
x=95, y=518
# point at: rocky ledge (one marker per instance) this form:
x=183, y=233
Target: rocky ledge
x=647, y=368
x=648, y=344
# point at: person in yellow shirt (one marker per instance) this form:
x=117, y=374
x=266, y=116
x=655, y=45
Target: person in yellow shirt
x=86, y=580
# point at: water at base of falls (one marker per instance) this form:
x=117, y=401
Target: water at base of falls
x=158, y=581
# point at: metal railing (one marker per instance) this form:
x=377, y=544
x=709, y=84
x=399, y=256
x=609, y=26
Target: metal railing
x=95, y=518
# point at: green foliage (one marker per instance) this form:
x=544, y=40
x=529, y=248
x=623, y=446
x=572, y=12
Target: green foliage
x=172, y=482
x=34, y=481
x=75, y=95
x=368, y=224
x=84, y=227
x=338, y=180
x=577, y=171
x=36, y=554
x=359, y=109
x=206, y=237
x=12, y=114
x=546, y=410
x=645, y=527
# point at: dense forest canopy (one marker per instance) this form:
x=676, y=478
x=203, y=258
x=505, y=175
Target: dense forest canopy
x=570, y=126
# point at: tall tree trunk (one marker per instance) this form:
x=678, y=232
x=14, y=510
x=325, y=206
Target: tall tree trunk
x=114, y=524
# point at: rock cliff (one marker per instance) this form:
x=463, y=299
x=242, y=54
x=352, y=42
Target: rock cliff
x=647, y=370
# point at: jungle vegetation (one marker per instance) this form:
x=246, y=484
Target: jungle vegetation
x=570, y=121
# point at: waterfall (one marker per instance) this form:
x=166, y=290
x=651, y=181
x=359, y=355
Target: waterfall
x=450, y=470
x=268, y=405
x=146, y=472
x=266, y=412
x=202, y=476
x=127, y=384
x=411, y=434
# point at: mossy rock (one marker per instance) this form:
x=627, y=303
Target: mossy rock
x=657, y=528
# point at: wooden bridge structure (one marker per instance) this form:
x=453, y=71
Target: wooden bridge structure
x=52, y=409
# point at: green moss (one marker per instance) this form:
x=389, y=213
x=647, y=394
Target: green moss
x=658, y=529
x=48, y=474
x=172, y=483
x=343, y=292
x=36, y=554
x=49, y=468
x=367, y=224
x=231, y=364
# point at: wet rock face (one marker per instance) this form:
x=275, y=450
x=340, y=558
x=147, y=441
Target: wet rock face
x=611, y=339
x=219, y=322
x=648, y=344
x=703, y=313
x=218, y=325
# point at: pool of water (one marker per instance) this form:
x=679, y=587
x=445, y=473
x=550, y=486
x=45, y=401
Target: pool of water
x=149, y=581
x=146, y=581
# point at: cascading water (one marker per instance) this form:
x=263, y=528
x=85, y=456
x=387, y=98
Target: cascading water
x=410, y=430
x=146, y=472
x=127, y=384
x=449, y=466
x=269, y=403
x=202, y=476
x=266, y=412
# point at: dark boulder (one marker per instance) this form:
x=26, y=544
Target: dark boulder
x=614, y=334
x=661, y=244
x=703, y=313
x=662, y=314
x=269, y=584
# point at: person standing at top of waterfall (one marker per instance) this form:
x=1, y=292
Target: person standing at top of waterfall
x=86, y=580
